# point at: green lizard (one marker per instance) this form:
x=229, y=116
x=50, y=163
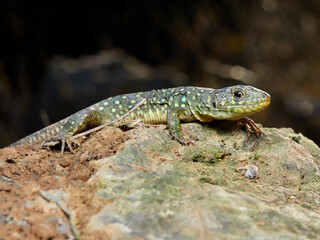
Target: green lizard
x=169, y=106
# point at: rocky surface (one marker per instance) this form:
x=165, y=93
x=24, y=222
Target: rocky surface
x=141, y=184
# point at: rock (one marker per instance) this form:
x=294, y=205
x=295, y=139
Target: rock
x=141, y=184
x=168, y=191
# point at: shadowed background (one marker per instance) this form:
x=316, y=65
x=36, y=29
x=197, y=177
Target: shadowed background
x=59, y=57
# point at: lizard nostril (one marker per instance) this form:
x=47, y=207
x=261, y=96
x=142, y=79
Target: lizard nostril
x=266, y=95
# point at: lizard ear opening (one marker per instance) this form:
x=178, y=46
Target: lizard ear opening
x=214, y=103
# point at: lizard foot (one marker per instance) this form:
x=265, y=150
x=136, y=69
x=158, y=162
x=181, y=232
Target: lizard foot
x=250, y=124
x=64, y=140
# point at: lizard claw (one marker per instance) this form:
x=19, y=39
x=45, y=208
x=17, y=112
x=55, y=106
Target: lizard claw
x=69, y=142
x=186, y=142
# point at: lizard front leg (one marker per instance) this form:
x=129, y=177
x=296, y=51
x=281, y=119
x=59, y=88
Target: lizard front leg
x=173, y=123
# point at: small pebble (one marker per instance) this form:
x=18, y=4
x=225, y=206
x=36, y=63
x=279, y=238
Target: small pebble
x=250, y=172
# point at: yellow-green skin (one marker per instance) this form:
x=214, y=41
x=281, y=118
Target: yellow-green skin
x=169, y=106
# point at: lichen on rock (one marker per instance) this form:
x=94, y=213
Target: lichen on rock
x=195, y=192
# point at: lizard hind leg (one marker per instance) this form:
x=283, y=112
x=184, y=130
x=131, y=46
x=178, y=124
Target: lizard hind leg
x=77, y=123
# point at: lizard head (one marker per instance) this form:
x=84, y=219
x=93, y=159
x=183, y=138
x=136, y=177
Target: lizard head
x=231, y=103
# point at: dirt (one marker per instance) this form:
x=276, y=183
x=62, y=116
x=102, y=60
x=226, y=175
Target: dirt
x=25, y=170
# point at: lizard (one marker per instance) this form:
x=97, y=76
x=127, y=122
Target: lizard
x=170, y=106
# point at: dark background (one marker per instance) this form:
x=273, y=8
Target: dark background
x=58, y=57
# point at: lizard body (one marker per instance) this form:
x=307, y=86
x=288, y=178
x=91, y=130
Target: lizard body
x=169, y=106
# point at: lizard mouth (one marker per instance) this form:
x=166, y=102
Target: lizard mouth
x=253, y=107
x=261, y=103
x=264, y=103
x=250, y=108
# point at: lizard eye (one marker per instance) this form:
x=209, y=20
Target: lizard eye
x=238, y=94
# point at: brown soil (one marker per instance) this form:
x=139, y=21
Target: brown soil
x=25, y=170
